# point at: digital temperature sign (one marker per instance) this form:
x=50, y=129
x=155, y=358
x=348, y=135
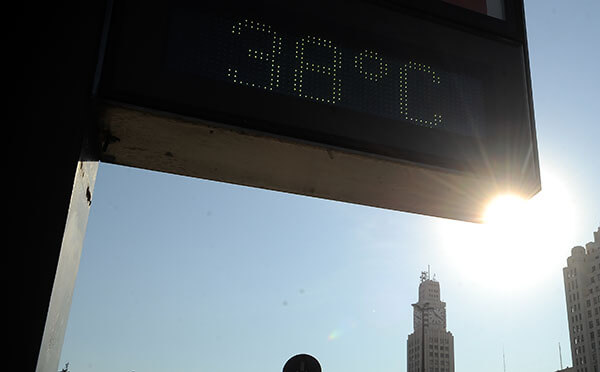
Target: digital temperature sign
x=307, y=65
x=431, y=84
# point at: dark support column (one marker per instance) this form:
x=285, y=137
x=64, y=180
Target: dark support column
x=52, y=160
x=66, y=269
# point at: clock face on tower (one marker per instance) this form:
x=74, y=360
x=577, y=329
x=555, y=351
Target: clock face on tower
x=439, y=316
x=418, y=319
x=430, y=316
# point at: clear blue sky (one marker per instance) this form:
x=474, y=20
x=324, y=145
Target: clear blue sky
x=182, y=274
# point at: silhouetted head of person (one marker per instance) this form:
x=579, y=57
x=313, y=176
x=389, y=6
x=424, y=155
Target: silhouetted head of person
x=302, y=363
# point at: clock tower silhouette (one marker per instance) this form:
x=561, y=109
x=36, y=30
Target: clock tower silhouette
x=430, y=348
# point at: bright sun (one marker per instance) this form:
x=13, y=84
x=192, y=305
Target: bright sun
x=520, y=244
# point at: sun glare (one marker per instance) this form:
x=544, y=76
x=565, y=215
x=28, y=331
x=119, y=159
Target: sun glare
x=521, y=242
x=507, y=211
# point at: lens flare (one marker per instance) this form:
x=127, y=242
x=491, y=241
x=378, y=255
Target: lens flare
x=506, y=210
x=520, y=244
x=334, y=335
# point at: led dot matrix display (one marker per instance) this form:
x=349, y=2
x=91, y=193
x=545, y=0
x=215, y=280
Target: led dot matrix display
x=358, y=75
x=299, y=62
x=420, y=106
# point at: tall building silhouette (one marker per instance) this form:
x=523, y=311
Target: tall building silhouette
x=430, y=348
x=582, y=291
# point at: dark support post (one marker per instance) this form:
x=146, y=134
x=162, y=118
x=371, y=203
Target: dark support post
x=68, y=263
x=52, y=162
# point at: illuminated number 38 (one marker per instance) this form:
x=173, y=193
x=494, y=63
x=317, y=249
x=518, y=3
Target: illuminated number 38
x=330, y=72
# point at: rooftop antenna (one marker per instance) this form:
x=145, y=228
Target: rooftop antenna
x=425, y=275
x=503, y=359
x=560, y=355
